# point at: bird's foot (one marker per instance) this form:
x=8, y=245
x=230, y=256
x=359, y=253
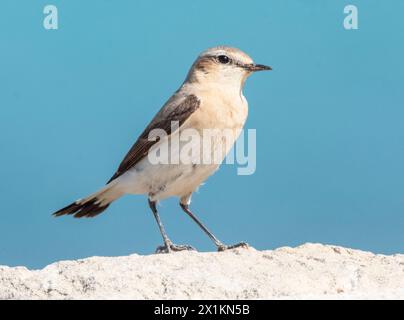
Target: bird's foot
x=171, y=247
x=224, y=247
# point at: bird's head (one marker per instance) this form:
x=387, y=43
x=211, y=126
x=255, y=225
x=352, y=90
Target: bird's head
x=225, y=66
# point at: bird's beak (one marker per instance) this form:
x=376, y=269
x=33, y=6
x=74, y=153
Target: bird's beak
x=257, y=67
x=260, y=67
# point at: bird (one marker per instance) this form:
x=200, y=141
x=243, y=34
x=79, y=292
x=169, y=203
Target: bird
x=210, y=98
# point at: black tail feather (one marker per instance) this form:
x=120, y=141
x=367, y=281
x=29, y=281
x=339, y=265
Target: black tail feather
x=88, y=209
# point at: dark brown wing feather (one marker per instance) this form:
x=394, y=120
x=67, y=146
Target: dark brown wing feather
x=179, y=111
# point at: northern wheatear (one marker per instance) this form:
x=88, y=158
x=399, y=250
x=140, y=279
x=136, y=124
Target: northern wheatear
x=210, y=98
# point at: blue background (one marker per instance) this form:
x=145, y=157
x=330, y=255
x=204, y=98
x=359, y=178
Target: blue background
x=329, y=120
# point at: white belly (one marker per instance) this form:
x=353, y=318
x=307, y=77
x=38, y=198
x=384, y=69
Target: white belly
x=160, y=181
x=168, y=179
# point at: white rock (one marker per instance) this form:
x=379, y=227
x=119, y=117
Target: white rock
x=310, y=271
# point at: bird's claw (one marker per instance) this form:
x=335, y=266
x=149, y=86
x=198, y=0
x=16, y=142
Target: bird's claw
x=224, y=247
x=171, y=247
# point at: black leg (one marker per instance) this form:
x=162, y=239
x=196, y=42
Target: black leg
x=152, y=205
x=220, y=246
x=168, y=245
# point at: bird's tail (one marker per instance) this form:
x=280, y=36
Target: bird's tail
x=93, y=204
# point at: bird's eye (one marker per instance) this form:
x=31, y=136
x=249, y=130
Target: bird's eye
x=223, y=59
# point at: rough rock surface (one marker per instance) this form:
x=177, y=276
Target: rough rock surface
x=309, y=271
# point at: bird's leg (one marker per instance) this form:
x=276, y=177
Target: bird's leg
x=168, y=245
x=220, y=246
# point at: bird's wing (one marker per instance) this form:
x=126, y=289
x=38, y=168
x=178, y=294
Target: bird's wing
x=178, y=108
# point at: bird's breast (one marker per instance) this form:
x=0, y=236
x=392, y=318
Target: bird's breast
x=220, y=110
